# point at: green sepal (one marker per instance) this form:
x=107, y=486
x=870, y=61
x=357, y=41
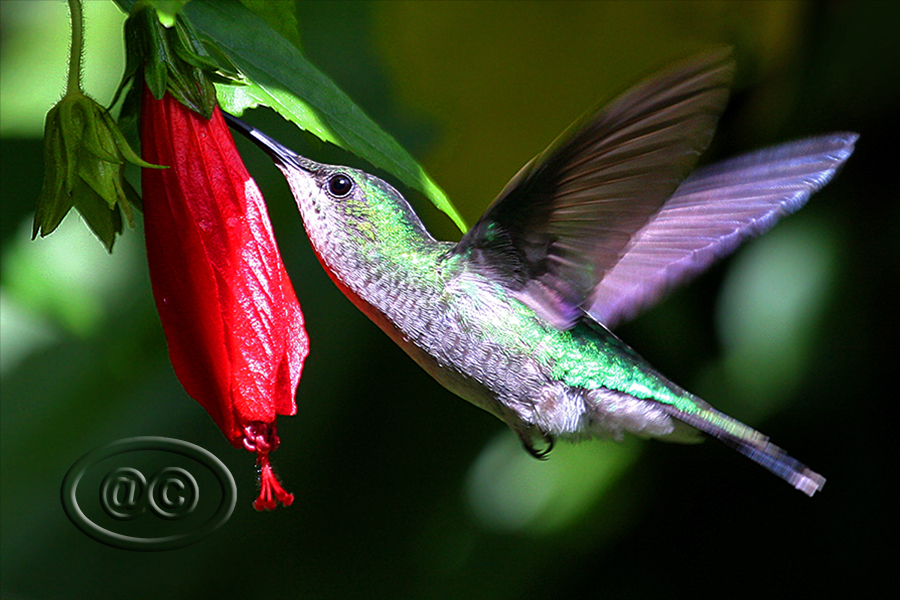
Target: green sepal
x=54, y=201
x=69, y=128
x=104, y=221
x=172, y=59
x=231, y=75
x=134, y=199
x=190, y=49
x=152, y=51
x=97, y=140
x=133, y=58
x=129, y=115
x=121, y=144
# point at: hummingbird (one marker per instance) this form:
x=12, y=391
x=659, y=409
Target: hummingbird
x=517, y=316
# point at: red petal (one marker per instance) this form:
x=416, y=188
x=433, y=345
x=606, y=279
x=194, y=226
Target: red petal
x=232, y=321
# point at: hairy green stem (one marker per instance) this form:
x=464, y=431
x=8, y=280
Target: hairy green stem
x=77, y=51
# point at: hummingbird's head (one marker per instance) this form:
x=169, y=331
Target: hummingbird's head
x=344, y=210
x=347, y=207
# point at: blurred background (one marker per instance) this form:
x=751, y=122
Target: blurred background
x=403, y=490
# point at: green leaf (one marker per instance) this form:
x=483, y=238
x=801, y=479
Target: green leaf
x=281, y=16
x=285, y=81
x=237, y=99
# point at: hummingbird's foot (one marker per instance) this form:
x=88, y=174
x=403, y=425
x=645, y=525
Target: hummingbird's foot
x=538, y=453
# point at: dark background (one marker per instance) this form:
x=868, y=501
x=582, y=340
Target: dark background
x=403, y=490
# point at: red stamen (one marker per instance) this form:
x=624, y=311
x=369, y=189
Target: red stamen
x=270, y=490
x=263, y=439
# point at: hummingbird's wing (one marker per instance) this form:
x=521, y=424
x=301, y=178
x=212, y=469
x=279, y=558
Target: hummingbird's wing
x=713, y=211
x=568, y=216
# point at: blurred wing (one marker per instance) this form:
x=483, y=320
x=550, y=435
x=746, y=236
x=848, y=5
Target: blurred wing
x=568, y=216
x=712, y=212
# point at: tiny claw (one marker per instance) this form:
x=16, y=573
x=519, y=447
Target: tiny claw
x=528, y=443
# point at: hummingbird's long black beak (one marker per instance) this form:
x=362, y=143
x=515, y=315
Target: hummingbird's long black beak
x=280, y=154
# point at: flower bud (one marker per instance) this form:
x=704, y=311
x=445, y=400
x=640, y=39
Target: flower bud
x=84, y=165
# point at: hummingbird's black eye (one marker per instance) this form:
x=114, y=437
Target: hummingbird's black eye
x=339, y=185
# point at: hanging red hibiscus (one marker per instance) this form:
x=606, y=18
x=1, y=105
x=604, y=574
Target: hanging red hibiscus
x=233, y=325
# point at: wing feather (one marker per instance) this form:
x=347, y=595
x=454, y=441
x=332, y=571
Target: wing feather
x=566, y=219
x=712, y=212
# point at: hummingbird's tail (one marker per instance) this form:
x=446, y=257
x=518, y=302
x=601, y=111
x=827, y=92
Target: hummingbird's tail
x=751, y=444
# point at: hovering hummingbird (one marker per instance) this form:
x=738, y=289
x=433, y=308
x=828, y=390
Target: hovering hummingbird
x=516, y=317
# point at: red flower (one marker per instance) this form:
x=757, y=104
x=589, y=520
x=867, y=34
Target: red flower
x=232, y=322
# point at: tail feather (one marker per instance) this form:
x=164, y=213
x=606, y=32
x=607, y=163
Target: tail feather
x=753, y=445
x=780, y=463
